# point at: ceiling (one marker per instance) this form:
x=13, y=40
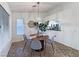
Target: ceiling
x=27, y=6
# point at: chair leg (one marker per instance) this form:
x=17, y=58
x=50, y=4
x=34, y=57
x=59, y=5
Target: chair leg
x=40, y=54
x=31, y=53
x=45, y=49
x=53, y=47
x=24, y=46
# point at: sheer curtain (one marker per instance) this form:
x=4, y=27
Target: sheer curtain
x=20, y=27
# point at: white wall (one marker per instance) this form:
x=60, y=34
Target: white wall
x=5, y=37
x=27, y=17
x=68, y=15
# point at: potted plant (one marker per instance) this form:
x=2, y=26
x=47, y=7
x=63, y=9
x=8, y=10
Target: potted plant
x=41, y=26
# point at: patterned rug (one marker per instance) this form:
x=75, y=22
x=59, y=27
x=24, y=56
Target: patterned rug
x=59, y=50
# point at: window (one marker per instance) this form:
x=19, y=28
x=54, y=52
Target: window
x=20, y=27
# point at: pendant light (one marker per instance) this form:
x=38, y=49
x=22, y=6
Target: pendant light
x=38, y=17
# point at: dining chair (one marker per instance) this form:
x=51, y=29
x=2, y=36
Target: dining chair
x=36, y=45
x=33, y=44
x=51, y=42
x=20, y=50
x=27, y=41
x=51, y=37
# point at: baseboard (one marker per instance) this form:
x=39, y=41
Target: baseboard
x=67, y=45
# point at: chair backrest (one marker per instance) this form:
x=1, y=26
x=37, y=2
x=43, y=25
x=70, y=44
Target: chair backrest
x=25, y=38
x=36, y=44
